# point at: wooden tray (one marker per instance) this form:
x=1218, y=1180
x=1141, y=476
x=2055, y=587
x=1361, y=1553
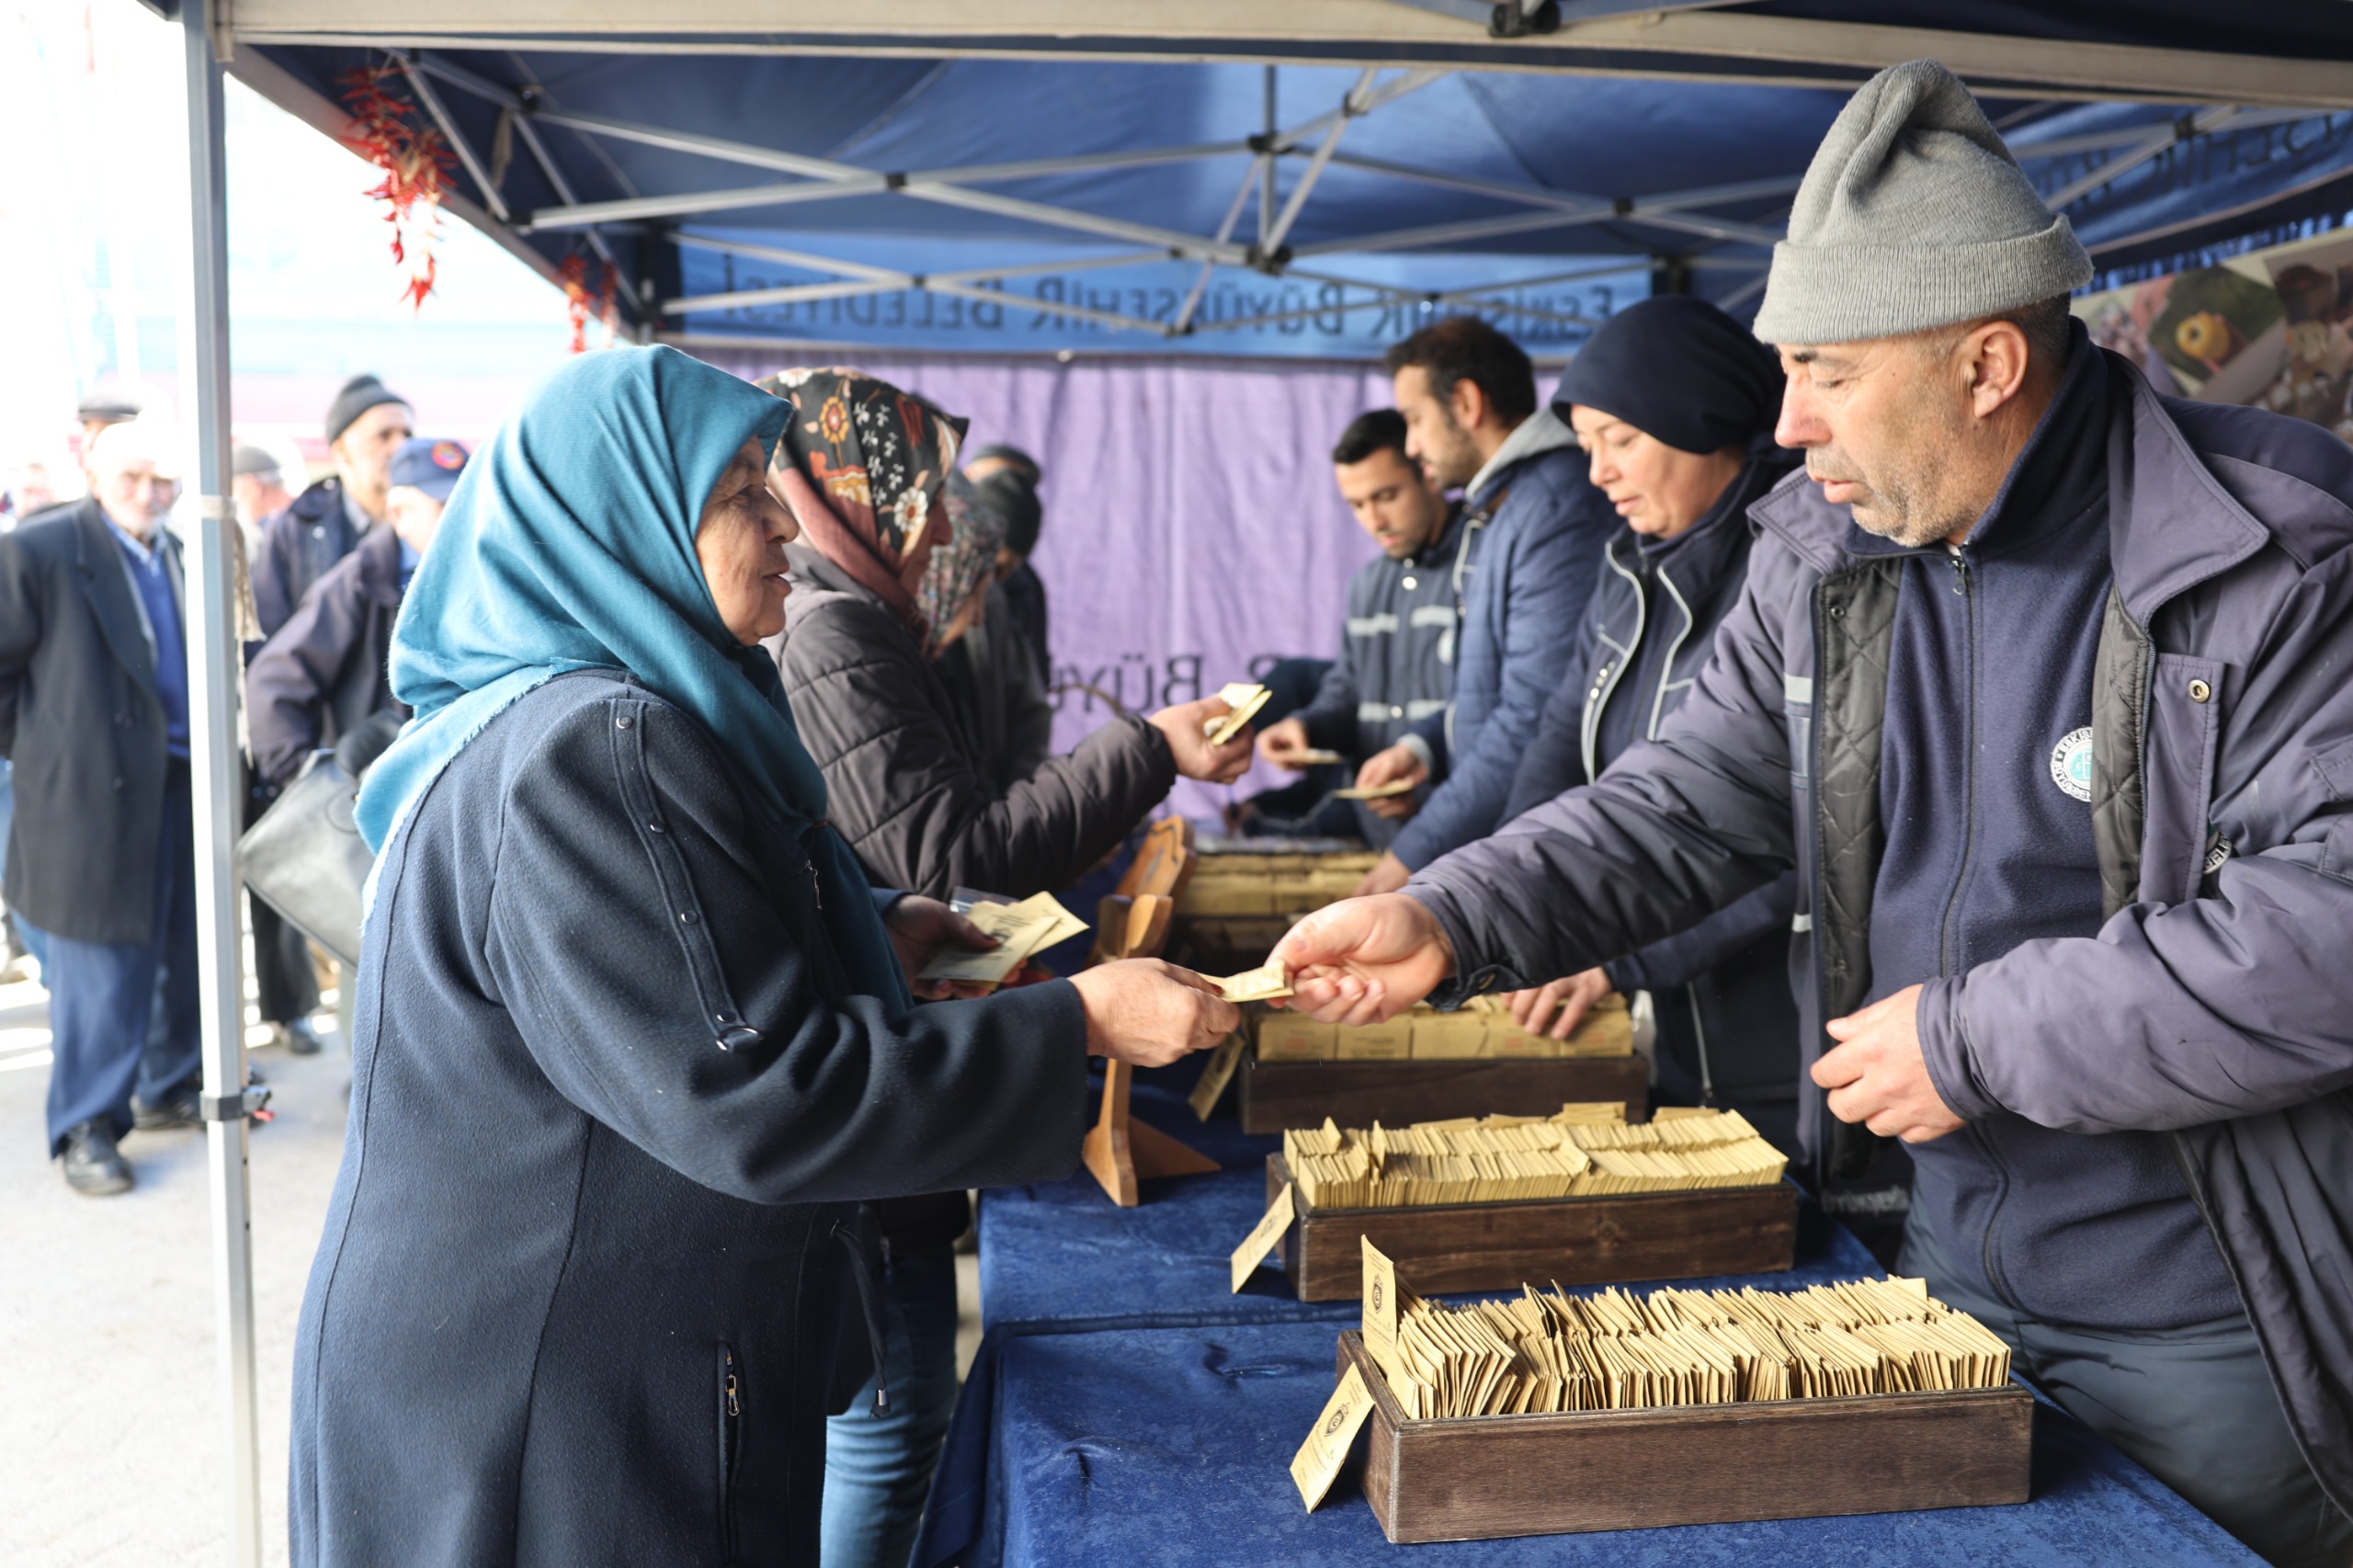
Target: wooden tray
x=1704, y=1464
x=1277, y=1095
x=1573, y=1240
x=1223, y=944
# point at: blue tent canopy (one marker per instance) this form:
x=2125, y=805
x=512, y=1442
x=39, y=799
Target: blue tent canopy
x=1158, y=185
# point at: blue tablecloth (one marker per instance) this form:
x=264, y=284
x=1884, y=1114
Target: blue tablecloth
x=1060, y=1258
x=1171, y=1446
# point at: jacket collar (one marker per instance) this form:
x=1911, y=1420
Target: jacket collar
x=378, y=565
x=2171, y=525
x=1540, y=432
x=1700, y=556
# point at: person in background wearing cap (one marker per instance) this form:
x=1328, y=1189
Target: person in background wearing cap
x=364, y=424
x=257, y=487
x=324, y=680
x=1674, y=403
x=94, y=714
x=2038, y=683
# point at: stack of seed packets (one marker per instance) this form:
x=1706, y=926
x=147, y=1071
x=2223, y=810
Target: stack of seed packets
x=1374, y=791
x=1585, y=1151
x=1246, y=697
x=1614, y=1350
x=1268, y=983
x=1032, y=926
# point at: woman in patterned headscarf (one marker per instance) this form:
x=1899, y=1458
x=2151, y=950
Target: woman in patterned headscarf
x=892, y=568
x=886, y=574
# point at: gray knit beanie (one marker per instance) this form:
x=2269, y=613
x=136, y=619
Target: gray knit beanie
x=1913, y=215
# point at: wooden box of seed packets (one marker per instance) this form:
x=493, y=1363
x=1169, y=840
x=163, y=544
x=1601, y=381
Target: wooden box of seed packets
x=1718, y=1407
x=1426, y=1065
x=1579, y=1199
x=1245, y=893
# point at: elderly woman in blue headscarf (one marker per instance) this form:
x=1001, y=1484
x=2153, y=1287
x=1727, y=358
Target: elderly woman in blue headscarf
x=633, y=1034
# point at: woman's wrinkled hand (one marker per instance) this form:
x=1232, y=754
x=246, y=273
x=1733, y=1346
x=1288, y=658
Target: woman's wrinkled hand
x=921, y=929
x=1573, y=995
x=1364, y=961
x=1149, y=1013
x=1187, y=725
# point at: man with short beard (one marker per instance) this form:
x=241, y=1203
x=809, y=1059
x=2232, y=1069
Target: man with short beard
x=2038, y=682
x=1529, y=548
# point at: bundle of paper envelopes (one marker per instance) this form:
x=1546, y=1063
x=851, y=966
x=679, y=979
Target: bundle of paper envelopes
x=1230, y=883
x=1021, y=929
x=1244, y=698
x=1483, y=1029
x=1615, y=1351
x=1585, y=1151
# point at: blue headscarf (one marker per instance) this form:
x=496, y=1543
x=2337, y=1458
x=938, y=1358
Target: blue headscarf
x=568, y=544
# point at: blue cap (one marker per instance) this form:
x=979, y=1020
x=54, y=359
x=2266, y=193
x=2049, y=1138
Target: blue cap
x=428, y=465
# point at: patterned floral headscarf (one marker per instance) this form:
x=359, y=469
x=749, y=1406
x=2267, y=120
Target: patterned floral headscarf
x=961, y=561
x=863, y=465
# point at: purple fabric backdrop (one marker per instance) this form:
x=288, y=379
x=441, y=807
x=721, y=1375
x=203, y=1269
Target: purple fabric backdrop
x=1192, y=536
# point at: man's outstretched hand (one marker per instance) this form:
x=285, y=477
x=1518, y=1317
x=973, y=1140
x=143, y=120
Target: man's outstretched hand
x=1364, y=961
x=1876, y=1075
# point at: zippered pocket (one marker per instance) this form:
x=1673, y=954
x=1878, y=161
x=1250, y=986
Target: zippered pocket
x=730, y=1444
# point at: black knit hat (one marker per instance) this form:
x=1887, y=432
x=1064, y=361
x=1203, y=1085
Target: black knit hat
x=1677, y=368
x=359, y=395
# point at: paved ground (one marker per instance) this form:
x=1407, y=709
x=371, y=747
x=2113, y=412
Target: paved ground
x=110, y=1427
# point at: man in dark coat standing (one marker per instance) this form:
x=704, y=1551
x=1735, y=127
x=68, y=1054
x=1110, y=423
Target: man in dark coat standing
x=364, y=424
x=93, y=712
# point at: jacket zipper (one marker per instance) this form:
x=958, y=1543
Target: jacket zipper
x=730, y=1444
x=1993, y=1279
x=1597, y=701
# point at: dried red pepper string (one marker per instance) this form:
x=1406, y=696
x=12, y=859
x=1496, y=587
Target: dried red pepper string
x=582, y=303
x=417, y=165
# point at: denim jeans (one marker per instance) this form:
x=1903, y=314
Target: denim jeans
x=103, y=1001
x=2194, y=1407
x=878, y=1469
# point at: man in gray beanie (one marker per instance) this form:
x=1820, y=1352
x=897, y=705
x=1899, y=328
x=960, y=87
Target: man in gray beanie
x=2038, y=683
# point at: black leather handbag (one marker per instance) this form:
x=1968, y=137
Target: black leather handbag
x=306, y=860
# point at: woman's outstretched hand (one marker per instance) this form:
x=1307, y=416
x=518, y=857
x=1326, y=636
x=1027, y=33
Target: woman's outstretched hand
x=1149, y=1013
x=1186, y=728
x=921, y=929
x=1364, y=961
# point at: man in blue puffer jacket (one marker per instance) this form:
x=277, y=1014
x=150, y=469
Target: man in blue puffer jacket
x=1531, y=544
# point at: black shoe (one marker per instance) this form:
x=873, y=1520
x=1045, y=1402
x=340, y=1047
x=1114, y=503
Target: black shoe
x=182, y=1109
x=94, y=1166
x=300, y=1036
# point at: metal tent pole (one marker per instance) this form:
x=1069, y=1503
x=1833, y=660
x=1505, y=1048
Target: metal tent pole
x=213, y=669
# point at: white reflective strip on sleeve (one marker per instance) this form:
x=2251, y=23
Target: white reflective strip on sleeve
x=1801, y=924
x=1797, y=688
x=1431, y=615
x=1372, y=712
x=1422, y=707
x=1446, y=647
x=1371, y=625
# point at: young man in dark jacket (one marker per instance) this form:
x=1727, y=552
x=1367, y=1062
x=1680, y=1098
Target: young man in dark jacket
x=1529, y=547
x=1394, y=670
x=323, y=676
x=2039, y=692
